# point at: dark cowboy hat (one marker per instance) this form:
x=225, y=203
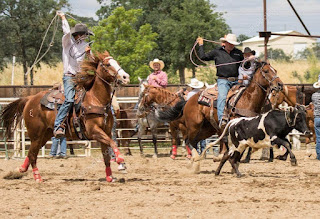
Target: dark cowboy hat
x=248, y=50
x=81, y=29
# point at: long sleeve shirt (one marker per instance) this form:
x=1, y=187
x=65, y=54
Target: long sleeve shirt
x=73, y=51
x=161, y=79
x=193, y=92
x=247, y=70
x=221, y=56
x=316, y=102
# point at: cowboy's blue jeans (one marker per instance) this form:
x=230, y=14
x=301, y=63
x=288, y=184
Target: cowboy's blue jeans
x=63, y=146
x=317, y=131
x=69, y=93
x=223, y=88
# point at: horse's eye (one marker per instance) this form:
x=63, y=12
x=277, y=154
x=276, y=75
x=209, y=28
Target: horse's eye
x=265, y=71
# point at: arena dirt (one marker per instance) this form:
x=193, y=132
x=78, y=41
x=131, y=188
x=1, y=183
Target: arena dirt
x=162, y=188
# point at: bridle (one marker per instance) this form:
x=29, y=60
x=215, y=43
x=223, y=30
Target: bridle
x=107, y=71
x=269, y=81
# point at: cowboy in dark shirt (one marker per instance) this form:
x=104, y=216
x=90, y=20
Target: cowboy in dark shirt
x=227, y=74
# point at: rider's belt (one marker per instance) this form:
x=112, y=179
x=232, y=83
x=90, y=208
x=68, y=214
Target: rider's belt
x=232, y=79
x=69, y=74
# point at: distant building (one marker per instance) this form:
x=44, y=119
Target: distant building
x=290, y=45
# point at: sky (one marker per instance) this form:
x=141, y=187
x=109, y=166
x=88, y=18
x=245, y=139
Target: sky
x=245, y=16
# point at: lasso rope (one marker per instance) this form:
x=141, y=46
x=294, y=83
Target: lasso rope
x=208, y=65
x=37, y=60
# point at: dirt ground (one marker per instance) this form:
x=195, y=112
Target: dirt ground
x=162, y=188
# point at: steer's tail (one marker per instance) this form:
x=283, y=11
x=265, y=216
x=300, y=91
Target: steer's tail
x=198, y=158
x=11, y=115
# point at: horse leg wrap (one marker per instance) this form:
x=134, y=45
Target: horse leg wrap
x=119, y=158
x=36, y=175
x=174, y=152
x=24, y=167
x=109, y=177
x=189, y=152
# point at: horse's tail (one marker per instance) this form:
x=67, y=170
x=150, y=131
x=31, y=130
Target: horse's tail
x=11, y=115
x=171, y=113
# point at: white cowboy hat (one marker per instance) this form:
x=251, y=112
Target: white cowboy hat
x=316, y=84
x=157, y=61
x=194, y=83
x=230, y=38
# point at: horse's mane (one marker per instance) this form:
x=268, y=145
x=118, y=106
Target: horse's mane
x=164, y=93
x=86, y=77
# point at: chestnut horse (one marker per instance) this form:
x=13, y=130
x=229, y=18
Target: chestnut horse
x=152, y=97
x=201, y=121
x=97, y=76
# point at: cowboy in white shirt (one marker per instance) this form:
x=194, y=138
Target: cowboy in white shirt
x=74, y=50
x=196, y=86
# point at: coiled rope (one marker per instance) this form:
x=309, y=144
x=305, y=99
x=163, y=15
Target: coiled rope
x=55, y=28
x=209, y=65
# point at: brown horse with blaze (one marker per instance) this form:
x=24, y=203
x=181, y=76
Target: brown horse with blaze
x=96, y=76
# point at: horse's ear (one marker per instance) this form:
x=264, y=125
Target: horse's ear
x=139, y=79
x=206, y=84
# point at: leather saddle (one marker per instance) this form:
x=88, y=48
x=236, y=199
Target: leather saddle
x=54, y=98
x=209, y=96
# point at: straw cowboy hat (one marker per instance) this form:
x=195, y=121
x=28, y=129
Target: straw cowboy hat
x=157, y=61
x=316, y=84
x=230, y=38
x=195, y=83
x=81, y=28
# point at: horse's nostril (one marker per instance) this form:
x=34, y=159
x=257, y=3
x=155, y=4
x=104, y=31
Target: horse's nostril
x=124, y=77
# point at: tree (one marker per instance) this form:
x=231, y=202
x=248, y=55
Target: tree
x=184, y=25
x=242, y=38
x=277, y=54
x=126, y=44
x=22, y=25
x=179, y=23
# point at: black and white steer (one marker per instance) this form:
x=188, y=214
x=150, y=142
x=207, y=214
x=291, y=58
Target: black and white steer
x=266, y=130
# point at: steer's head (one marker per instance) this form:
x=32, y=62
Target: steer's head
x=299, y=119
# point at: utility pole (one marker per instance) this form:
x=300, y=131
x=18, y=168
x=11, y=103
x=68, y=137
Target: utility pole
x=12, y=74
x=266, y=39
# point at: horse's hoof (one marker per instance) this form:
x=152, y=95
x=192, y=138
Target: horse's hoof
x=216, y=173
x=39, y=181
x=270, y=160
x=111, y=179
x=189, y=156
x=122, y=168
x=294, y=163
x=239, y=175
x=155, y=156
